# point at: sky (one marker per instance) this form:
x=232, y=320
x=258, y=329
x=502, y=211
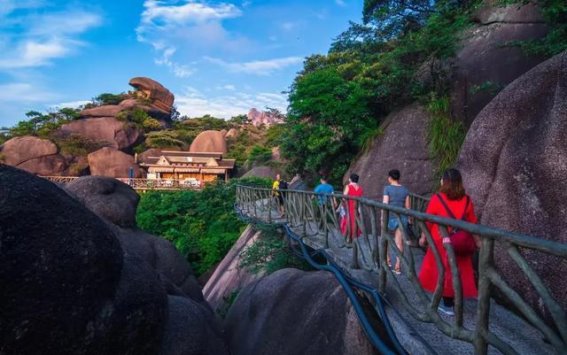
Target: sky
x=217, y=57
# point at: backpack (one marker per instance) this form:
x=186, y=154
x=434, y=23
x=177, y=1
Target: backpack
x=283, y=185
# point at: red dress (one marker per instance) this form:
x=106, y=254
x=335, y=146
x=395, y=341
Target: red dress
x=428, y=272
x=353, y=231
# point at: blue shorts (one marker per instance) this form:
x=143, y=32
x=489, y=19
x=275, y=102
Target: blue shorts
x=393, y=222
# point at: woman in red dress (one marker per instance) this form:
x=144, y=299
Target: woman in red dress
x=350, y=228
x=453, y=194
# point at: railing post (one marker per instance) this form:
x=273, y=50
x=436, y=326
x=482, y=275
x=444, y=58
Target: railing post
x=383, y=251
x=483, y=311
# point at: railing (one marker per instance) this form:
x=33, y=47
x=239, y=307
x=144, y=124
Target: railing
x=140, y=184
x=313, y=216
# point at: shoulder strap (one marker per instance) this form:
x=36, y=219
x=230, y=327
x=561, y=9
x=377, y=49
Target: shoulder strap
x=449, y=210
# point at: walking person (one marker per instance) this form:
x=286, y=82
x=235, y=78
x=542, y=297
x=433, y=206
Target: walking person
x=396, y=195
x=277, y=186
x=324, y=193
x=451, y=200
x=350, y=229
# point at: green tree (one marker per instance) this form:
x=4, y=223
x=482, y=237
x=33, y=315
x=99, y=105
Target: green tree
x=109, y=99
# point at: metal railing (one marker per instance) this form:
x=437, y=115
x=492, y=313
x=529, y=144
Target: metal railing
x=140, y=184
x=315, y=215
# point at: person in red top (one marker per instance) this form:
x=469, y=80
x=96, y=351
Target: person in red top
x=453, y=194
x=349, y=227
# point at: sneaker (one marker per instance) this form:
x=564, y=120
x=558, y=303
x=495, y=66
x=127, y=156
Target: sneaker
x=446, y=310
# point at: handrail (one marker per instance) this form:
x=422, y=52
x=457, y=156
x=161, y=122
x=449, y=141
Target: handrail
x=141, y=183
x=304, y=213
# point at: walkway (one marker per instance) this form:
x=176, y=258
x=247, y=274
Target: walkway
x=479, y=327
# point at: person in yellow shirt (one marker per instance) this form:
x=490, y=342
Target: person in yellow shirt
x=276, y=186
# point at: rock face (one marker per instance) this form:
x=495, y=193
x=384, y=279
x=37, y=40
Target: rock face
x=228, y=276
x=161, y=98
x=109, y=198
x=209, y=141
x=113, y=163
x=116, y=203
x=514, y=163
x=35, y=155
x=295, y=312
x=485, y=65
x=402, y=146
x=258, y=118
x=105, y=130
x=232, y=133
x=261, y=171
x=101, y=111
x=65, y=288
x=70, y=286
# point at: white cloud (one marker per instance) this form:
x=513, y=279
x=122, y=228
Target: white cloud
x=70, y=104
x=158, y=13
x=289, y=26
x=258, y=67
x=228, y=87
x=34, y=40
x=185, y=27
x=24, y=93
x=341, y=3
x=194, y=104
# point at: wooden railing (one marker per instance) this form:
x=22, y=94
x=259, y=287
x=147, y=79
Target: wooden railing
x=314, y=217
x=141, y=184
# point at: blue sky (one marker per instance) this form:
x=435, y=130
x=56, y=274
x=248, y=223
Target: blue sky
x=220, y=58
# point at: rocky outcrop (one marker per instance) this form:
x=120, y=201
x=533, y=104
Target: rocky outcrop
x=402, y=146
x=514, y=163
x=209, y=141
x=261, y=171
x=232, y=133
x=258, y=118
x=102, y=111
x=485, y=63
x=65, y=286
x=295, y=312
x=229, y=277
x=109, y=198
x=33, y=154
x=106, y=131
x=70, y=286
x=113, y=163
x=159, y=97
x=116, y=203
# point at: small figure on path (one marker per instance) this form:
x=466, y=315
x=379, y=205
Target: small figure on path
x=277, y=186
x=324, y=192
x=396, y=195
x=350, y=229
x=458, y=203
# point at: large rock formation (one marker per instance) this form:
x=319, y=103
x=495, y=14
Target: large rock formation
x=109, y=198
x=258, y=118
x=65, y=287
x=70, y=286
x=229, y=277
x=159, y=97
x=105, y=130
x=33, y=154
x=209, y=141
x=295, y=312
x=485, y=63
x=402, y=146
x=261, y=171
x=111, y=162
x=514, y=163
x=116, y=203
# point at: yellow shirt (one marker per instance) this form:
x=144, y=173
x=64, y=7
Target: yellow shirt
x=275, y=187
